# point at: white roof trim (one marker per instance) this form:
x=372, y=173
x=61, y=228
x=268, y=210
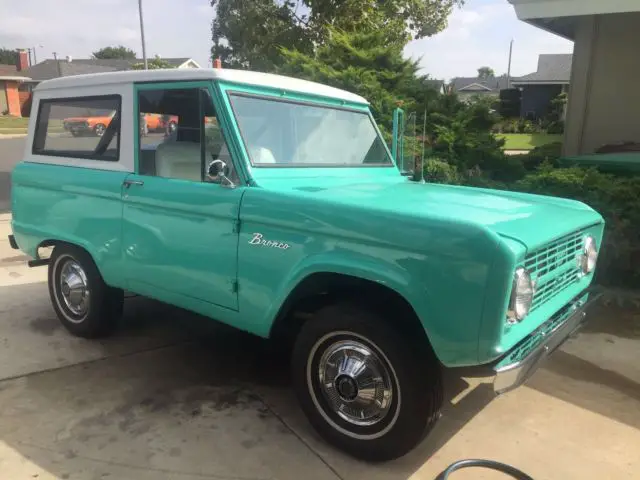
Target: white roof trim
x=532, y=9
x=14, y=78
x=477, y=85
x=258, y=79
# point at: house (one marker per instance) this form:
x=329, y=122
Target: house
x=53, y=68
x=12, y=78
x=541, y=87
x=469, y=87
x=604, y=101
x=26, y=78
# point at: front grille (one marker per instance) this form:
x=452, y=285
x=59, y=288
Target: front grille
x=554, y=267
x=530, y=343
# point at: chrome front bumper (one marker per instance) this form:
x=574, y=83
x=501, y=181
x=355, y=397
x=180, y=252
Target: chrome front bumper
x=512, y=372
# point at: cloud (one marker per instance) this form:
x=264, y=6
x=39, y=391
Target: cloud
x=78, y=27
x=478, y=35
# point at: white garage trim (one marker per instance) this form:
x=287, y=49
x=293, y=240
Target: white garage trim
x=532, y=9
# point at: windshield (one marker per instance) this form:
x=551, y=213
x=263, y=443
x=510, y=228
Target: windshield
x=284, y=133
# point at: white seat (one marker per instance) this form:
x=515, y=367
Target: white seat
x=179, y=160
x=262, y=155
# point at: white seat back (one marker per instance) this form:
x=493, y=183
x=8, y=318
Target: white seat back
x=178, y=160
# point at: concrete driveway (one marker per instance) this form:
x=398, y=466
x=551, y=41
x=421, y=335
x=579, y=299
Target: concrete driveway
x=176, y=396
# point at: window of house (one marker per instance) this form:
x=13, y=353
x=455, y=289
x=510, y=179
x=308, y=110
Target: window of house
x=82, y=127
x=179, y=134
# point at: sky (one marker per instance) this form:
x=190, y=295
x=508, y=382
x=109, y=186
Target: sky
x=477, y=35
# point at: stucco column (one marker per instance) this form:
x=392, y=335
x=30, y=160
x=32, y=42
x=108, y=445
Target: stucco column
x=581, y=73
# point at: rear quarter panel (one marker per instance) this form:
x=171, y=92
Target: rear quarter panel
x=76, y=205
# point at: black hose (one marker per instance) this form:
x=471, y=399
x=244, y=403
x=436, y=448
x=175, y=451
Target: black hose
x=490, y=464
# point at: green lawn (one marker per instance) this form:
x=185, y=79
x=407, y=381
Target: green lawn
x=526, y=141
x=13, y=122
x=20, y=124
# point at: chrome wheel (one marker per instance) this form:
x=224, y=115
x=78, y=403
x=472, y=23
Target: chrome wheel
x=74, y=289
x=356, y=381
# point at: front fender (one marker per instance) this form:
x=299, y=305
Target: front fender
x=384, y=273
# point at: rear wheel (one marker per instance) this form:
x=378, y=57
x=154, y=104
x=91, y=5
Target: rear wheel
x=365, y=388
x=99, y=129
x=85, y=305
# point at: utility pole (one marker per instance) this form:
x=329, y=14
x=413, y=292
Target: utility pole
x=144, y=48
x=55, y=57
x=29, y=52
x=34, y=56
x=509, y=69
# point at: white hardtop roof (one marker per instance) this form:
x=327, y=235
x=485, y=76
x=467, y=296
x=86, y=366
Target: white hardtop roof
x=258, y=79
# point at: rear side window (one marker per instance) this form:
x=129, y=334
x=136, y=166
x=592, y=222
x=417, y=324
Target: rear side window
x=81, y=127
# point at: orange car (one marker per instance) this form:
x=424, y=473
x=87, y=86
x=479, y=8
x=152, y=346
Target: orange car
x=95, y=125
x=154, y=122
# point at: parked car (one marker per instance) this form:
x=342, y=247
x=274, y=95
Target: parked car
x=153, y=122
x=87, y=125
x=277, y=208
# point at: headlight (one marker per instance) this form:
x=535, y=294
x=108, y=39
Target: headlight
x=589, y=255
x=521, y=295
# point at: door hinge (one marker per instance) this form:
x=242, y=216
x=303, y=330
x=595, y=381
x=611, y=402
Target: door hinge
x=236, y=226
x=235, y=286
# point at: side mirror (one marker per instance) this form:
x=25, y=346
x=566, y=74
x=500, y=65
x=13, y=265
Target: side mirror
x=218, y=171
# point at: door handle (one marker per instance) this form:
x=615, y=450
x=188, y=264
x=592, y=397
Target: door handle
x=128, y=183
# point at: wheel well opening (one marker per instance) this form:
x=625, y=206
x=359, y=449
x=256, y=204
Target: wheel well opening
x=321, y=289
x=45, y=248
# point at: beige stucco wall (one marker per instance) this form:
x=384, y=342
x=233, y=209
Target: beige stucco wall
x=604, y=98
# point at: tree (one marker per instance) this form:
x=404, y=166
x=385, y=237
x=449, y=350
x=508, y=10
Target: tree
x=114, y=52
x=152, y=64
x=368, y=63
x=486, y=73
x=8, y=56
x=250, y=33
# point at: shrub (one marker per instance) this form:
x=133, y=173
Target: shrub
x=617, y=199
x=549, y=153
x=438, y=171
x=556, y=128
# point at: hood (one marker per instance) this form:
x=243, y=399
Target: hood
x=533, y=220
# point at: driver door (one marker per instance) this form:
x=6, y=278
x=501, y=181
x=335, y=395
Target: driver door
x=180, y=235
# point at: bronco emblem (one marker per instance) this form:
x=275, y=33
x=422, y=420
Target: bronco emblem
x=258, y=239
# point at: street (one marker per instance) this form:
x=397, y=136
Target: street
x=11, y=150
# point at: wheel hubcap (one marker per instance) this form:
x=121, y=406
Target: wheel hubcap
x=355, y=382
x=74, y=288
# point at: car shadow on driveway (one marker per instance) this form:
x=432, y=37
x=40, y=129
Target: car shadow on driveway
x=174, y=395
x=171, y=394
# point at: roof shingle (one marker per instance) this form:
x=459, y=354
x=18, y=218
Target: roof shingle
x=552, y=68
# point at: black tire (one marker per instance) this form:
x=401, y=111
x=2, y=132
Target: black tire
x=103, y=304
x=99, y=130
x=75, y=134
x=414, y=374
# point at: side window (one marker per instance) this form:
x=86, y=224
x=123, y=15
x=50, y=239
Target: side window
x=82, y=127
x=179, y=134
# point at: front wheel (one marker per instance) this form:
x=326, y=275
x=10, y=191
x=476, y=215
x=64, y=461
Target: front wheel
x=364, y=387
x=85, y=305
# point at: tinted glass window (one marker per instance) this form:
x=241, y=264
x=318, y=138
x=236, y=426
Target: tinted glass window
x=83, y=127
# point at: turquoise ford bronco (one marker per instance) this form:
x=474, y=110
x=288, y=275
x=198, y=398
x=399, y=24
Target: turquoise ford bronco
x=276, y=207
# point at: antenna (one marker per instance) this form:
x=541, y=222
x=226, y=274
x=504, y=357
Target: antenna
x=424, y=134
